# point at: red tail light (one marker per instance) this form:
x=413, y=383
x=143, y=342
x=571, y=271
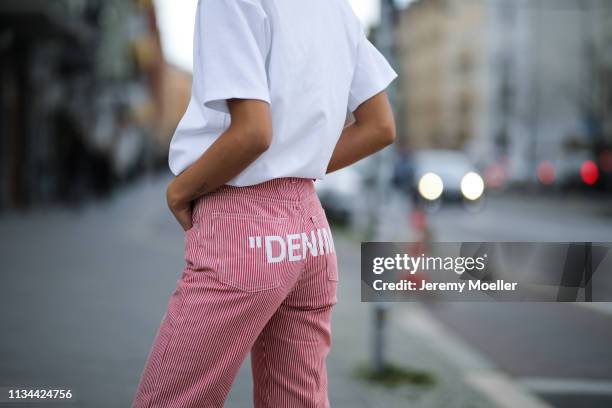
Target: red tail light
x=589, y=172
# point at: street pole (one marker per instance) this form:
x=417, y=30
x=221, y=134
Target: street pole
x=535, y=109
x=384, y=41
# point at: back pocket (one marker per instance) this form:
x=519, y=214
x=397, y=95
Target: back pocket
x=250, y=251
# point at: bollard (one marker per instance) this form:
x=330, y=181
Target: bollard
x=379, y=341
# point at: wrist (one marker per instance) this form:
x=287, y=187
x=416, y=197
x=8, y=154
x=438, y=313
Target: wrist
x=176, y=196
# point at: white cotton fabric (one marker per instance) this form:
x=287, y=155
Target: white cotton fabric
x=310, y=60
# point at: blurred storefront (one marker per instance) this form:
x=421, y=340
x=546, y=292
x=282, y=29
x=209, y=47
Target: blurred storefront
x=82, y=91
x=515, y=83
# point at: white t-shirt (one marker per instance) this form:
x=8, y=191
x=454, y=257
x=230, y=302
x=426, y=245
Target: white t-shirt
x=310, y=60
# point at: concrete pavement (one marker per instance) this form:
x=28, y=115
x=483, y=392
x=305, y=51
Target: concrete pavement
x=560, y=352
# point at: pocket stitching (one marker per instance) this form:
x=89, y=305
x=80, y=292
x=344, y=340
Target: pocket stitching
x=218, y=264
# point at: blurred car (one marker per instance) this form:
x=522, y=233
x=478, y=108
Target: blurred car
x=576, y=169
x=339, y=193
x=445, y=175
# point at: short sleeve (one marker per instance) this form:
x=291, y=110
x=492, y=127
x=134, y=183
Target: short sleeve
x=232, y=52
x=372, y=74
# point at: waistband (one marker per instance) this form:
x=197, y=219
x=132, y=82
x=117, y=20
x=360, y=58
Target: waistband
x=287, y=189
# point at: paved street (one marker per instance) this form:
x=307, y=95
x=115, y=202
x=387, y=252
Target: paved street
x=560, y=351
x=526, y=218
x=83, y=292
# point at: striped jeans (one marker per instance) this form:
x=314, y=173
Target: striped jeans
x=260, y=277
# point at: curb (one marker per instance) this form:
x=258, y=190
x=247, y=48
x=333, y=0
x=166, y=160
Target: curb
x=477, y=370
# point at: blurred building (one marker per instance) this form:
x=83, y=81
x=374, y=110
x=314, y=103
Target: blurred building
x=513, y=82
x=82, y=87
x=422, y=53
x=563, y=92
x=456, y=61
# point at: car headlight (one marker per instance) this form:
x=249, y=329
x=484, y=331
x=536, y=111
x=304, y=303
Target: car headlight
x=430, y=186
x=472, y=186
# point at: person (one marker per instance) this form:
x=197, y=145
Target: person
x=273, y=83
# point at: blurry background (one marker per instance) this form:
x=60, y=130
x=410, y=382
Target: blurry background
x=504, y=111
x=88, y=101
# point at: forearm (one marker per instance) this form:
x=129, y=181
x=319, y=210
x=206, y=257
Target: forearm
x=357, y=142
x=227, y=157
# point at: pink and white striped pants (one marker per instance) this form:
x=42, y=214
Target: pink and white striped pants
x=260, y=277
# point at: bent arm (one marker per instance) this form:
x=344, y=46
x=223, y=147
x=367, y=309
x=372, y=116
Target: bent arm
x=247, y=138
x=373, y=130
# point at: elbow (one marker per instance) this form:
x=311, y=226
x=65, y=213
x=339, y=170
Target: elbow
x=260, y=140
x=257, y=140
x=386, y=133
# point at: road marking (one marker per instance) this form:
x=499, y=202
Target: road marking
x=601, y=307
x=567, y=385
x=479, y=371
x=420, y=321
